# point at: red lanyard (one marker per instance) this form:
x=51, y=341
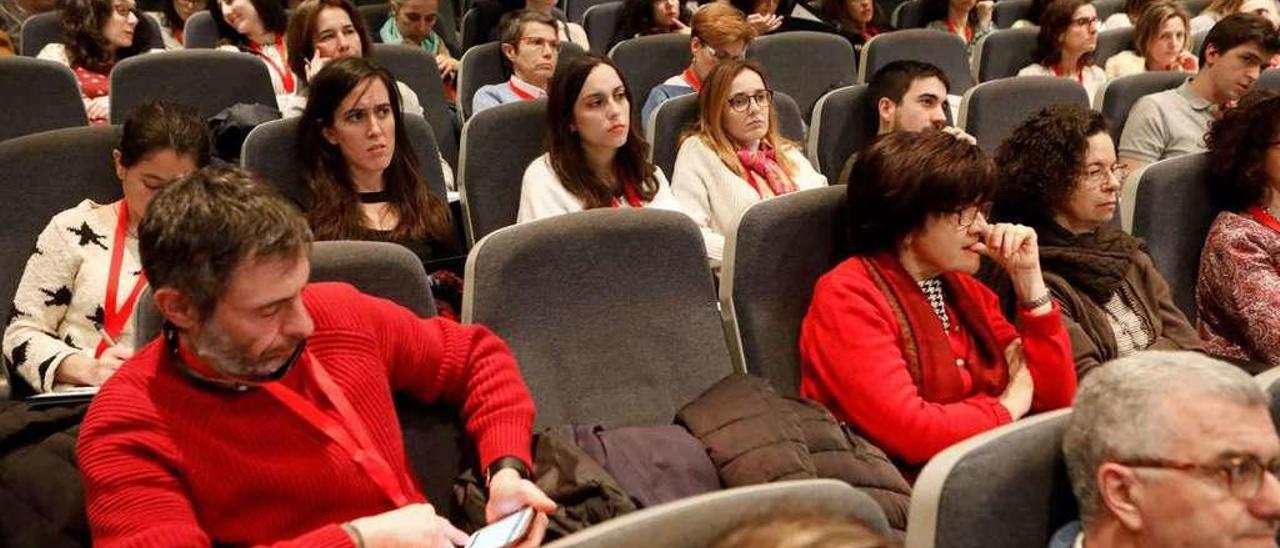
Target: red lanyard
x=968, y=31
x=113, y=319
x=286, y=76
x=1079, y=74
x=522, y=94
x=350, y=433
x=692, y=78
x=633, y=198
x=1265, y=218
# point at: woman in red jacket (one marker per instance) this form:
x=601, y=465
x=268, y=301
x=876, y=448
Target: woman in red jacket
x=900, y=340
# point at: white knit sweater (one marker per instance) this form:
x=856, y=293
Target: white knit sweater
x=58, y=307
x=542, y=195
x=716, y=197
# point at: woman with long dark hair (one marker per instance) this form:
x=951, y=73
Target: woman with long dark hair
x=97, y=34
x=365, y=180
x=172, y=19
x=646, y=17
x=968, y=19
x=595, y=155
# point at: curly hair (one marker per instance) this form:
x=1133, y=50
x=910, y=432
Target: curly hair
x=1041, y=162
x=82, y=22
x=1238, y=144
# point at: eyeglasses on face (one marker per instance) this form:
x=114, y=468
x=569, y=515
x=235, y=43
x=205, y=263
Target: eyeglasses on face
x=739, y=102
x=1244, y=474
x=1084, y=21
x=722, y=55
x=1099, y=177
x=969, y=215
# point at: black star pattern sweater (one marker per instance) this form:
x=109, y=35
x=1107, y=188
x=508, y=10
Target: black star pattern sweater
x=59, y=302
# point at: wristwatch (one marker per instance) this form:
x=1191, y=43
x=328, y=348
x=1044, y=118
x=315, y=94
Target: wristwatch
x=504, y=463
x=1036, y=303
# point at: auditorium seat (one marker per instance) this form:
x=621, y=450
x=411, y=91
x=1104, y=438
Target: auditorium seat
x=1016, y=474
x=606, y=331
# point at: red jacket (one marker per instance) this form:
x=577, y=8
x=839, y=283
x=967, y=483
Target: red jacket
x=168, y=462
x=850, y=348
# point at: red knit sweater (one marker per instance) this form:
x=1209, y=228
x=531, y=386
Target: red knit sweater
x=168, y=462
x=852, y=363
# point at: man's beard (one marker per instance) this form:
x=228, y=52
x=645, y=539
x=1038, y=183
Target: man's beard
x=224, y=356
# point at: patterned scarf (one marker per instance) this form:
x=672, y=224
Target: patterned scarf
x=390, y=34
x=763, y=162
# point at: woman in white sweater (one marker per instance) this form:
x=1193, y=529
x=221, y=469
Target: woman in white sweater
x=73, y=307
x=736, y=157
x=1065, y=45
x=595, y=156
x=1160, y=42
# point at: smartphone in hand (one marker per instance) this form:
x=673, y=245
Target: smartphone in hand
x=504, y=532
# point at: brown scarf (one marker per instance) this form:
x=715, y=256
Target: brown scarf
x=1094, y=263
x=926, y=348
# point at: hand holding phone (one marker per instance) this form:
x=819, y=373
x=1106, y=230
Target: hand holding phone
x=505, y=532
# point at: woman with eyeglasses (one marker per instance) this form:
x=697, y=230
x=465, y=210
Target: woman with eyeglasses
x=1059, y=175
x=1068, y=36
x=73, y=310
x=172, y=19
x=595, y=155
x=1238, y=288
x=96, y=35
x=735, y=156
x=720, y=32
x=900, y=340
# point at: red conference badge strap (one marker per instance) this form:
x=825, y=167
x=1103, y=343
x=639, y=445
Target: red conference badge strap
x=692, y=77
x=968, y=31
x=1265, y=218
x=113, y=318
x=1079, y=74
x=350, y=434
x=286, y=76
x=633, y=197
x=522, y=94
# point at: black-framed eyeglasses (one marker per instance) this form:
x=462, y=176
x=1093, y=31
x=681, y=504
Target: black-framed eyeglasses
x=1084, y=21
x=1244, y=474
x=969, y=215
x=739, y=102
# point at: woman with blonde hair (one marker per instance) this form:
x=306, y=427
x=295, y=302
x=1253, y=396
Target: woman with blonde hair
x=735, y=157
x=1160, y=42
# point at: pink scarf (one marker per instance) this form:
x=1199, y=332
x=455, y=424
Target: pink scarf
x=764, y=162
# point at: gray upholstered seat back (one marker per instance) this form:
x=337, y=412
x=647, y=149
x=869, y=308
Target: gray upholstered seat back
x=1008, y=12
x=200, y=32
x=1119, y=95
x=1269, y=79
x=601, y=22
x=498, y=144
x=606, y=330
x=1172, y=213
x=696, y=522
x=842, y=123
x=1003, y=53
x=993, y=109
x=1107, y=7
x=674, y=116
x=805, y=64
x=647, y=61
x=271, y=151
x=37, y=95
x=1016, y=474
x=909, y=15
x=771, y=264
x=1111, y=42
x=942, y=49
x=576, y=10
x=43, y=174
x=417, y=69
x=209, y=80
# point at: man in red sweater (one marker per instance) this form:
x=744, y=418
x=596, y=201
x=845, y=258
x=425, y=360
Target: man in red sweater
x=264, y=414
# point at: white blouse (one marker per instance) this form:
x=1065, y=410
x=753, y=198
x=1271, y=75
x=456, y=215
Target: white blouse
x=716, y=197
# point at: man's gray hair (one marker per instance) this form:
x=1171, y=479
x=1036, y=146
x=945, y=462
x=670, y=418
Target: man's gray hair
x=1119, y=411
